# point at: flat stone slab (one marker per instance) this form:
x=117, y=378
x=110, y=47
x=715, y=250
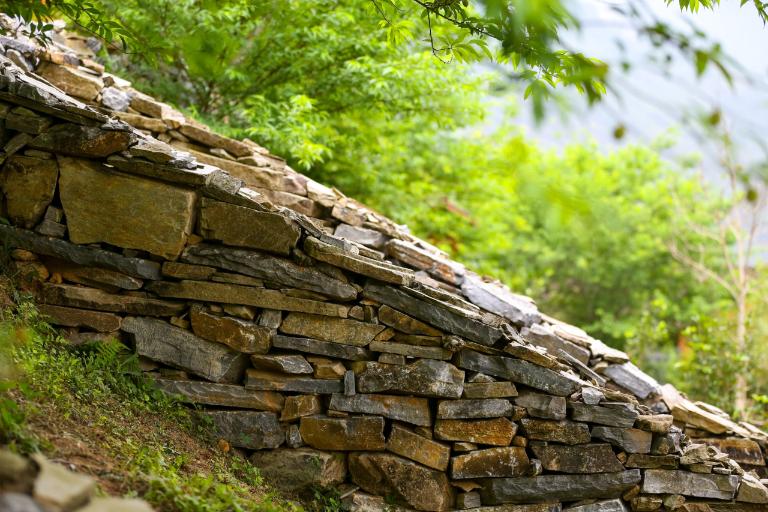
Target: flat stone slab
x=611, y=414
x=375, y=269
x=413, y=446
x=408, y=409
x=284, y=363
x=337, y=330
x=501, y=389
x=405, y=323
x=425, y=377
x=171, y=345
x=661, y=481
x=404, y=349
x=322, y=348
x=633, y=379
x=540, y=405
x=248, y=429
x=473, y=409
x=407, y=482
x=519, y=371
x=347, y=434
x=300, y=469
x=558, y=487
x=567, y=432
x=239, y=335
x=585, y=458
x=226, y=395
x=743, y=451
x=93, y=298
x=631, y=440
x=269, y=268
x=273, y=381
x=615, y=505
x=491, y=463
x=498, y=299
x=143, y=214
x=495, y=432
x=73, y=317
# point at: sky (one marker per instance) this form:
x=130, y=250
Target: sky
x=651, y=105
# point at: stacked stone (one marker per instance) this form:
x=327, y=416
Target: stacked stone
x=39, y=485
x=325, y=341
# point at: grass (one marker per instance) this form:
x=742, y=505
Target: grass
x=91, y=409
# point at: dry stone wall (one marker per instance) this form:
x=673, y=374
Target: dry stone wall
x=321, y=338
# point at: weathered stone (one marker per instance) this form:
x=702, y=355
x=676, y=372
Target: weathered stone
x=171, y=345
x=245, y=295
x=447, y=317
x=631, y=440
x=646, y=503
x=270, y=268
x=82, y=141
x=639, y=460
x=743, y=451
x=71, y=317
x=187, y=271
x=52, y=229
x=93, y=298
x=586, y=458
x=435, y=264
x=293, y=364
x=108, y=280
x=500, y=389
x=567, y=432
x=24, y=120
x=28, y=185
x=243, y=227
x=634, y=380
x=323, y=348
x=364, y=236
x=611, y=414
x=498, y=299
x=491, y=463
x=337, y=330
x=656, y=423
x=471, y=409
x=539, y=405
x=615, y=505
x=273, y=381
x=467, y=500
x=299, y=406
x=300, y=470
x=544, y=335
x=413, y=446
x=204, y=136
x=516, y=370
x=407, y=409
x=324, y=368
x=404, y=349
x=349, y=434
x=240, y=335
x=537, y=507
x=15, y=502
x=143, y=214
x=248, y=429
x=592, y=396
x=408, y=483
x=71, y=80
x=88, y=256
x=115, y=99
x=660, y=481
x=425, y=377
x=405, y=323
x=688, y=412
x=667, y=443
x=349, y=383
x=379, y=270
x=558, y=487
x=153, y=108
x=57, y=488
x=496, y=432
x=225, y=395
x=751, y=490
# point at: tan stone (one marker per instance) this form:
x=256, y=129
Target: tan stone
x=348, y=434
x=59, y=489
x=227, y=395
x=274, y=381
x=130, y=212
x=491, y=463
x=244, y=227
x=299, y=406
x=187, y=271
x=405, y=323
x=496, y=431
x=93, y=298
x=203, y=135
x=28, y=185
x=240, y=335
x=407, y=444
x=302, y=469
x=71, y=317
x=345, y=331
x=71, y=80
x=500, y=389
x=743, y=451
x=327, y=368
x=286, y=363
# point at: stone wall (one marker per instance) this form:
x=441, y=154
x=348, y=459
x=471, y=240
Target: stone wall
x=321, y=338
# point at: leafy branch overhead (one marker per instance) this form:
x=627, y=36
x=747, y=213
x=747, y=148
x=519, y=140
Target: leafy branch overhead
x=530, y=37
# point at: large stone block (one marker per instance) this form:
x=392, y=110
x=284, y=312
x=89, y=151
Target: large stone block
x=71, y=80
x=248, y=429
x=413, y=446
x=244, y=227
x=425, y=377
x=495, y=432
x=348, y=434
x=403, y=408
x=661, y=481
x=322, y=348
x=407, y=482
x=567, y=432
x=171, y=345
x=337, y=330
x=82, y=141
x=546, y=488
x=93, y=298
x=302, y=469
x=586, y=458
x=631, y=440
x=226, y=395
x=491, y=463
x=122, y=210
x=540, y=405
x=246, y=337
x=610, y=414
x=28, y=185
x=472, y=409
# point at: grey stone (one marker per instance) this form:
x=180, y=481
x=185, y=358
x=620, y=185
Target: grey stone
x=57, y=488
x=639, y=460
x=403, y=408
x=29, y=185
x=300, y=470
x=567, y=432
x=518, y=371
x=540, y=405
x=631, y=440
x=425, y=377
x=585, y=458
x=477, y=408
x=615, y=505
x=500, y=389
x=405, y=323
x=467, y=500
x=93, y=298
x=631, y=378
x=592, y=396
x=239, y=335
x=269, y=268
x=751, y=490
x=171, y=345
x=337, y=330
x=661, y=481
x=323, y=348
x=446, y=317
x=225, y=395
x=364, y=236
x=498, y=299
x=115, y=99
x=404, y=349
x=349, y=383
x=558, y=487
x=416, y=447
x=15, y=502
x=82, y=141
x=248, y=429
x=273, y=381
x=491, y=463
x=98, y=277
x=544, y=336
x=610, y=414
x=285, y=363
x=347, y=434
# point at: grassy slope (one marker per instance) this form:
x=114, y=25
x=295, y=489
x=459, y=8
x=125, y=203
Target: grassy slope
x=91, y=409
